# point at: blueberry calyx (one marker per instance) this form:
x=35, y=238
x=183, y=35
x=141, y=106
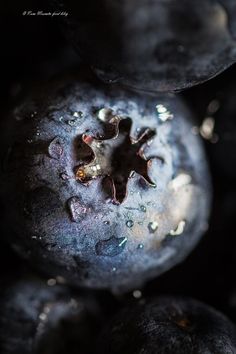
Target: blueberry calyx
x=116, y=158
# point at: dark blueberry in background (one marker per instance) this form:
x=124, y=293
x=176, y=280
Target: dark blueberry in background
x=169, y=325
x=105, y=187
x=152, y=45
x=45, y=318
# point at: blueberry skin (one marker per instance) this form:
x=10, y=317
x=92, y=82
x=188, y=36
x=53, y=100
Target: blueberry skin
x=153, y=45
x=168, y=325
x=36, y=318
x=78, y=231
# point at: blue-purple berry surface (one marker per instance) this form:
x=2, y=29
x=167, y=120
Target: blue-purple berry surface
x=102, y=186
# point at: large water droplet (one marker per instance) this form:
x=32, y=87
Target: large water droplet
x=77, y=210
x=105, y=114
x=111, y=247
x=55, y=149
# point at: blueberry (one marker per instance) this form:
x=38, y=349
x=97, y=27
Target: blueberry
x=45, y=318
x=106, y=187
x=168, y=325
x=153, y=45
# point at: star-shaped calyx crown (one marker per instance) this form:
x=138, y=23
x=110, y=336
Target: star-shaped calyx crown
x=117, y=157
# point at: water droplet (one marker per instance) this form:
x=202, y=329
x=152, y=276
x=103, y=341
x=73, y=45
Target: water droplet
x=105, y=114
x=129, y=223
x=179, y=229
x=143, y=208
x=106, y=222
x=55, y=149
x=114, y=269
x=77, y=210
x=72, y=122
x=111, y=247
x=152, y=226
x=78, y=114
x=140, y=246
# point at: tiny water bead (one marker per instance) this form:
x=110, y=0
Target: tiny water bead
x=129, y=223
x=140, y=246
x=143, y=208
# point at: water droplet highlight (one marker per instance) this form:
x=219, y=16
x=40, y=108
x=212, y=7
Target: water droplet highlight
x=143, y=208
x=140, y=246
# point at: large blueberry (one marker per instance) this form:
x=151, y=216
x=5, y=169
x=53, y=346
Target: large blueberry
x=106, y=187
x=153, y=45
x=169, y=325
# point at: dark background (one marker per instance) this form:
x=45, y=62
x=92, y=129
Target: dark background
x=33, y=49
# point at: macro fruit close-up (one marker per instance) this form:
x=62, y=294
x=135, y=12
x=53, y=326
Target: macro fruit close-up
x=115, y=187
x=117, y=177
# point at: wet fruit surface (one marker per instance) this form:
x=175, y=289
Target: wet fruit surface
x=108, y=188
x=168, y=325
x=153, y=45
